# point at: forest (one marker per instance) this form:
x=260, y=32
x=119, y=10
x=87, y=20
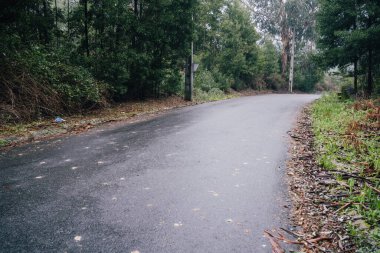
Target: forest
x=68, y=56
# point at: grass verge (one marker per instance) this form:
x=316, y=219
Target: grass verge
x=347, y=142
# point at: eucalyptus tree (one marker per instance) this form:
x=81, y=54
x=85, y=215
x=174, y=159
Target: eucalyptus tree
x=284, y=19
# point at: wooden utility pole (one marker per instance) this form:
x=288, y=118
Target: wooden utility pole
x=291, y=71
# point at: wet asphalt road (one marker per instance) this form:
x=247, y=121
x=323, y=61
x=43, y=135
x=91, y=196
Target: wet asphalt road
x=208, y=178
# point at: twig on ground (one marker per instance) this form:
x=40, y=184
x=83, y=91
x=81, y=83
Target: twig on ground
x=276, y=248
x=343, y=207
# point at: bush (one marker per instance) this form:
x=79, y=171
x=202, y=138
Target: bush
x=212, y=95
x=35, y=84
x=204, y=80
x=275, y=82
x=172, y=83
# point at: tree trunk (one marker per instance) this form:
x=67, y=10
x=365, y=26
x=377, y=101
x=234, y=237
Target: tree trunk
x=291, y=71
x=45, y=31
x=56, y=22
x=68, y=19
x=370, y=64
x=86, y=45
x=284, y=39
x=370, y=76
x=356, y=76
x=136, y=7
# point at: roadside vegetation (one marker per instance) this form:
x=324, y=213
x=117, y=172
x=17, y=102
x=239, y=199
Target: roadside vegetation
x=347, y=143
x=66, y=57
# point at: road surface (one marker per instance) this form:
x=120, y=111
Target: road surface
x=207, y=178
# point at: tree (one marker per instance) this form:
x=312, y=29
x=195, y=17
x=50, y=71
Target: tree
x=281, y=18
x=226, y=43
x=349, y=35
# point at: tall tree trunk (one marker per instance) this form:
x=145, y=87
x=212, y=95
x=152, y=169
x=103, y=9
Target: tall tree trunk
x=284, y=39
x=370, y=64
x=355, y=59
x=56, y=22
x=136, y=11
x=370, y=76
x=45, y=30
x=68, y=19
x=356, y=76
x=86, y=45
x=291, y=71
x=136, y=8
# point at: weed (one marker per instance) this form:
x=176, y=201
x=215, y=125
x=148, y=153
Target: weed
x=347, y=139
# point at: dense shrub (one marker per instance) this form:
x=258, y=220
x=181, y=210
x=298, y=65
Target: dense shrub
x=36, y=84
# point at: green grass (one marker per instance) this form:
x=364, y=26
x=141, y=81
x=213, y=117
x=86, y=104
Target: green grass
x=212, y=95
x=343, y=144
x=3, y=143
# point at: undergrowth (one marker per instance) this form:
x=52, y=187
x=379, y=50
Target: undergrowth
x=213, y=94
x=347, y=141
x=35, y=84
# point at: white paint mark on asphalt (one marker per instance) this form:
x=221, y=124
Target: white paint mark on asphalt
x=179, y=224
x=68, y=160
x=21, y=154
x=78, y=238
x=74, y=168
x=100, y=162
x=215, y=194
x=86, y=147
x=42, y=163
x=114, y=198
x=122, y=178
x=245, y=163
x=84, y=208
x=147, y=188
x=39, y=177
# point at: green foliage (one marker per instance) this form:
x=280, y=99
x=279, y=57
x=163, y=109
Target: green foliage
x=3, y=143
x=226, y=47
x=75, y=85
x=205, y=81
x=349, y=32
x=214, y=94
x=307, y=72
